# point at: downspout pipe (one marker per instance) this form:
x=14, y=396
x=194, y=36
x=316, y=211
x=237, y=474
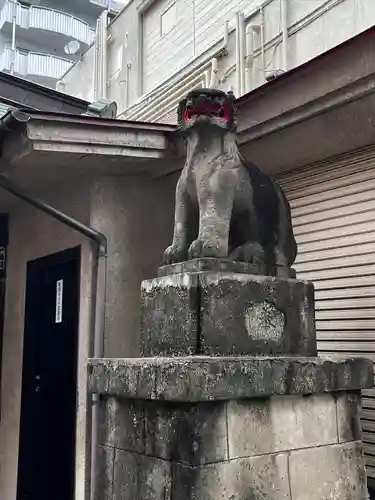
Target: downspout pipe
x=97, y=304
x=284, y=20
x=14, y=24
x=104, y=46
x=242, y=52
x=249, y=58
x=238, y=54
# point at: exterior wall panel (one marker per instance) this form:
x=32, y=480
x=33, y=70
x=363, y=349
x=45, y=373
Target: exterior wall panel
x=164, y=53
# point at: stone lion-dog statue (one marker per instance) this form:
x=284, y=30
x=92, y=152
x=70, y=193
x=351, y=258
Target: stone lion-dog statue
x=226, y=208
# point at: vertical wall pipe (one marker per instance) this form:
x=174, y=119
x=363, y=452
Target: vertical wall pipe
x=226, y=34
x=242, y=53
x=104, y=47
x=284, y=20
x=238, y=55
x=214, y=70
x=96, y=60
x=249, y=59
x=261, y=11
x=14, y=24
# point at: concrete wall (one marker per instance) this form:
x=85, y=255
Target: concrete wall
x=32, y=235
x=314, y=27
x=80, y=77
x=137, y=216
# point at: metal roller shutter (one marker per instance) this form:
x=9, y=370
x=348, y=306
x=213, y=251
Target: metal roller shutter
x=333, y=211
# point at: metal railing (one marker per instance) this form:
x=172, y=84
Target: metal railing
x=44, y=18
x=33, y=63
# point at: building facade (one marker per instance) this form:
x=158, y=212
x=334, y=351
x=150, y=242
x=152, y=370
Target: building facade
x=312, y=128
x=40, y=40
x=154, y=51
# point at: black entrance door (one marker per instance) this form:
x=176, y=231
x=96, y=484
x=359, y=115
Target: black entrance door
x=48, y=407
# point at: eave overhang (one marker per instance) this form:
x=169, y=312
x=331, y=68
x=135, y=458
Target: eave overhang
x=316, y=111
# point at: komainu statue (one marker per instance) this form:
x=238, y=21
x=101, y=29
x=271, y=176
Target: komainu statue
x=225, y=207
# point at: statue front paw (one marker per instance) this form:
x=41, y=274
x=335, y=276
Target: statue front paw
x=205, y=248
x=173, y=254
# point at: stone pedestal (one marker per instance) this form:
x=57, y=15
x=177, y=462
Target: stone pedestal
x=229, y=401
x=226, y=313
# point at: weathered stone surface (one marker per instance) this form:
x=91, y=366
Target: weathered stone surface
x=253, y=315
x=104, y=477
x=122, y=424
x=205, y=378
x=224, y=265
x=108, y=377
x=280, y=423
x=169, y=315
x=256, y=315
x=193, y=434
x=348, y=413
x=140, y=477
x=330, y=472
x=257, y=478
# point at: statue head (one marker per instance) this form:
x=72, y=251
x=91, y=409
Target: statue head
x=202, y=107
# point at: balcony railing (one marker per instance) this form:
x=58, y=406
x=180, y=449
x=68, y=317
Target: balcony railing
x=33, y=64
x=44, y=18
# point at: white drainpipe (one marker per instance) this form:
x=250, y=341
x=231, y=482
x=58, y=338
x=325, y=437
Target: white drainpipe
x=240, y=53
x=127, y=77
x=226, y=34
x=261, y=11
x=284, y=20
x=249, y=59
x=14, y=24
x=214, y=71
x=104, y=47
x=96, y=60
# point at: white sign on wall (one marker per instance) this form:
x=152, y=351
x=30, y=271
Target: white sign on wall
x=59, y=299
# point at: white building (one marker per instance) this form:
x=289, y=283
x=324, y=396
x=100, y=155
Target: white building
x=154, y=51
x=39, y=40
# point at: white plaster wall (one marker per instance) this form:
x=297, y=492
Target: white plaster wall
x=136, y=215
x=32, y=235
x=79, y=80
x=314, y=27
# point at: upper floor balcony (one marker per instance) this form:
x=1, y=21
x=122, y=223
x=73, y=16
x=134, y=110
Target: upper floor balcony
x=41, y=68
x=36, y=23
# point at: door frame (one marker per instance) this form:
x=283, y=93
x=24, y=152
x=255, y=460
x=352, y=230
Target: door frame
x=56, y=258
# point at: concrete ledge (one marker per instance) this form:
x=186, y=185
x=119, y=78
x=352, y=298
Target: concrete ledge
x=225, y=378
x=226, y=266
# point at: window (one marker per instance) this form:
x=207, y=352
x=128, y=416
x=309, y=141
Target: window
x=168, y=19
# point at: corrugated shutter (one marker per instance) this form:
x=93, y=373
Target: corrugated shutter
x=333, y=211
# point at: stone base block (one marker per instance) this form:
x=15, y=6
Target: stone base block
x=205, y=428
x=281, y=447
x=227, y=314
